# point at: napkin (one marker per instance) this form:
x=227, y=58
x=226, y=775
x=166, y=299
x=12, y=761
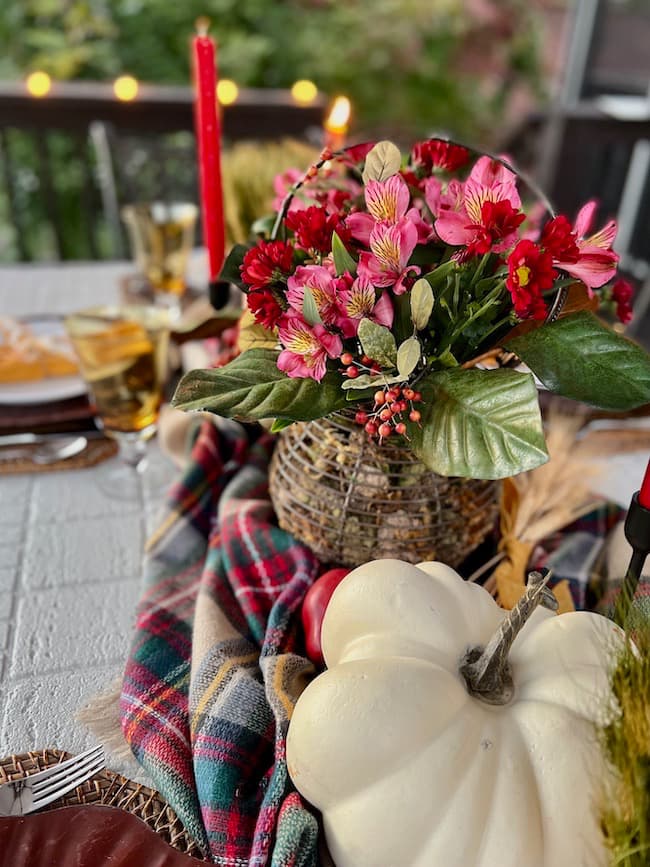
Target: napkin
x=216, y=665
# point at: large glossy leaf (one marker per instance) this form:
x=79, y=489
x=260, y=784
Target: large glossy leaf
x=580, y=358
x=482, y=424
x=231, y=271
x=251, y=388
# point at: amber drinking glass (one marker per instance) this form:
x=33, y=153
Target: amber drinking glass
x=122, y=354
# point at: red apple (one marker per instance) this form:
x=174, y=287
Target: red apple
x=313, y=610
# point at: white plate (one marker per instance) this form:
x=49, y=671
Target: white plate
x=43, y=390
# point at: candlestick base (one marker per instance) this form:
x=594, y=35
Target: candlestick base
x=637, y=533
x=219, y=293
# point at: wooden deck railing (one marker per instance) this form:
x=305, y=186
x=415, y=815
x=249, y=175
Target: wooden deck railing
x=52, y=176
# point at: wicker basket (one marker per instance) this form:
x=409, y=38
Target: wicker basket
x=351, y=500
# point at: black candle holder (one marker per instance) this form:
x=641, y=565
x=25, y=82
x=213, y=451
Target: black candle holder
x=637, y=533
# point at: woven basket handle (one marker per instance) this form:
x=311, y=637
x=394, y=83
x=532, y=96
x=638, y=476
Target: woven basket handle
x=327, y=155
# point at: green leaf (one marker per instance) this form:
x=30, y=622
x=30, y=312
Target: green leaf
x=343, y=261
x=580, y=358
x=309, y=308
x=367, y=380
x=447, y=358
x=408, y=356
x=280, y=424
x=251, y=388
x=382, y=162
x=439, y=275
x=378, y=343
x=263, y=226
x=231, y=272
x=482, y=424
x=421, y=303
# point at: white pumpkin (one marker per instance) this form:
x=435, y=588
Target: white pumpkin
x=411, y=770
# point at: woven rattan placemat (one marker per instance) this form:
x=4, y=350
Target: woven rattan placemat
x=96, y=451
x=109, y=789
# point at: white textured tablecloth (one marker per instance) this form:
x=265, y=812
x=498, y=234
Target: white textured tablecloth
x=70, y=555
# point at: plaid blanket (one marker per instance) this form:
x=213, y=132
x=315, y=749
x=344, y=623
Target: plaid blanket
x=215, y=668
x=216, y=665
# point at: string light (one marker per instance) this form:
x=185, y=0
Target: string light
x=227, y=91
x=304, y=91
x=38, y=84
x=126, y=88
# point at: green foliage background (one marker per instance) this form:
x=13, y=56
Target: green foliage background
x=411, y=67
x=401, y=61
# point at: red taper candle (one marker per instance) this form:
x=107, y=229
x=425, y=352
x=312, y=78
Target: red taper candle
x=208, y=133
x=644, y=493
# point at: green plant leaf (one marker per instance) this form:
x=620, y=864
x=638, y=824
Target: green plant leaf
x=309, y=308
x=367, y=380
x=580, y=358
x=439, y=275
x=421, y=303
x=280, y=424
x=408, y=356
x=482, y=424
x=251, y=388
x=263, y=226
x=231, y=272
x=378, y=343
x=343, y=261
x=382, y=162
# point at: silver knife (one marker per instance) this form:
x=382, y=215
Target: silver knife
x=28, y=439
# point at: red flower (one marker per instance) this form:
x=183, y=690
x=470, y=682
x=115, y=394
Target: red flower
x=264, y=306
x=622, y=296
x=439, y=154
x=560, y=240
x=530, y=272
x=268, y=262
x=356, y=154
x=313, y=228
x=499, y=220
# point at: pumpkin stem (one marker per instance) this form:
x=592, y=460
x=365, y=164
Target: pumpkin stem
x=487, y=670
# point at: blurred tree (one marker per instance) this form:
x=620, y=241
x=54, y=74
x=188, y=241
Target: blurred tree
x=412, y=65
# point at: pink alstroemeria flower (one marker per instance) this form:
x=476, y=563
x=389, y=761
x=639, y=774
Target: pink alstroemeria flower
x=386, y=202
x=482, y=214
x=360, y=301
x=391, y=248
x=306, y=348
x=597, y=262
x=323, y=288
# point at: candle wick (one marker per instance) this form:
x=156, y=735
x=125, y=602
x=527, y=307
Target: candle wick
x=202, y=25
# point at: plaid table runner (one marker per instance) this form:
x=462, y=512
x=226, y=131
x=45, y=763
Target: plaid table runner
x=215, y=670
x=216, y=665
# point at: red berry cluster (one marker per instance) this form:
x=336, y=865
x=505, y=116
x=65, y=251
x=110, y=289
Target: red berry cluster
x=386, y=417
x=352, y=369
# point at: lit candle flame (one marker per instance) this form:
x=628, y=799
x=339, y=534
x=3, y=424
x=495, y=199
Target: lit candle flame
x=339, y=116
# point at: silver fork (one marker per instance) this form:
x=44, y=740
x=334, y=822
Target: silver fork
x=34, y=791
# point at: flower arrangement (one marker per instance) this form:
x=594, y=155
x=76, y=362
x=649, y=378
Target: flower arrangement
x=386, y=280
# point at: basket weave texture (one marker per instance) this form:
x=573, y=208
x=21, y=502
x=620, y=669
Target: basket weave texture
x=351, y=500
x=109, y=789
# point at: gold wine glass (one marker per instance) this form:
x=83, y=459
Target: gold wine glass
x=122, y=354
x=162, y=236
